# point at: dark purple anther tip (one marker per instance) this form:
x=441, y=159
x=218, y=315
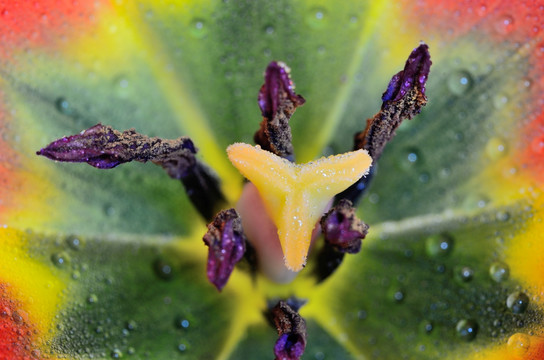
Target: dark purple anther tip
x=415, y=74
x=88, y=146
x=292, y=332
x=289, y=347
x=227, y=245
x=342, y=229
x=276, y=83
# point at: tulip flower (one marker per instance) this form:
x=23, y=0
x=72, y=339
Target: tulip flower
x=435, y=252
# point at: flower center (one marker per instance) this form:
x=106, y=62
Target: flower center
x=296, y=196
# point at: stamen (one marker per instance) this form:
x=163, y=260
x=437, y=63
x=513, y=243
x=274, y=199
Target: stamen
x=343, y=229
x=296, y=196
x=278, y=102
x=227, y=245
x=343, y=232
x=291, y=329
x=403, y=99
x=103, y=147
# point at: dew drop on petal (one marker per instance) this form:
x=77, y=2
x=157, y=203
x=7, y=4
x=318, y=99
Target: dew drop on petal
x=121, y=86
x=504, y=24
x=76, y=275
x=495, y=148
x=198, y=28
x=60, y=259
x=131, y=325
x=517, y=302
x=92, y=299
x=439, y=245
x=459, y=82
x=499, y=101
x=353, y=20
x=427, y=326
x=163, y=269
x=181, y=323
x=316, y=17
x=499, y=271
x=63, y=106
x=116, y=354
x=467, y=329
x=502, y=216
x=537, y=145
x=74, y=242
x=464, y=273
x=269, y=30
x=518, y=344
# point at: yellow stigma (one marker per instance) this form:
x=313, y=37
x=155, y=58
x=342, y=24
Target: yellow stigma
x=296, y=196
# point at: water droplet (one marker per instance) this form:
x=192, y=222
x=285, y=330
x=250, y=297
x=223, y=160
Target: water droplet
x=74, y=242
x=19, y=317
x=182, y=347
x=495, y=148
x=537, y=145
x=503, y=215
x=60, y=259
x=63, y=106
x=162, y=269
x=374, y=198
x=504, y=24
x=464, y=273
x=269, y=29
x=518, y=344
x=316, y=18
x=439, y=245
x=121, y=86
x=92, y=299
x=398, y=296
x=198, y=28
x=467, y=329
x=517, y=302
x=131, y=325
x=76, y=275
x=500, y=100
x=526, y=83
x=459, y=82
x=410, y=159
x=181, y=323
x=116, y=354
x=427, y=326
x=499, y=271
x=131, y=351
x=481, y=10
x=424, y=177
x=109, y=210
x=353, y=20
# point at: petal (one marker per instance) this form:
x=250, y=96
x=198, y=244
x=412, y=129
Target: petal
x=466, y=170
x=96, y=298
x=471, y=165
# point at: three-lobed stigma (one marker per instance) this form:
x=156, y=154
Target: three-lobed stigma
x=297, y=195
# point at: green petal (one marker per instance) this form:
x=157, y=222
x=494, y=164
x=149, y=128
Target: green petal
x=134, y=298
x=414, y=307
